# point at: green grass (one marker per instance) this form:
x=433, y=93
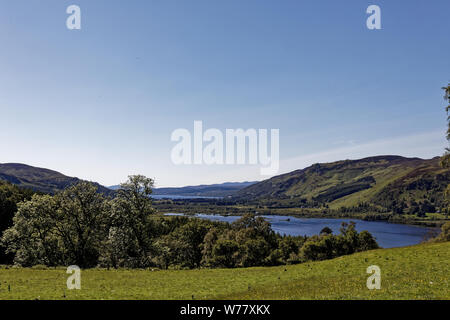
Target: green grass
x=417, y=272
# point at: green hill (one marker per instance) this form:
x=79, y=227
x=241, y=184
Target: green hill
x=417, y=272
x=39, y=179
x=384, y=182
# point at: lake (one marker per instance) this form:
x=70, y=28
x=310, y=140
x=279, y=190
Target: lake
x=388, y=235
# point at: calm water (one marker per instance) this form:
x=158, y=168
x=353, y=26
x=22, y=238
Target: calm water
x=388, y=235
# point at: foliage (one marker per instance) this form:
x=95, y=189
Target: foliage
x=130, y=230
x=444, y=235
x=10, y=196
x=445, y=160
x=61, y=230
x=328, y=246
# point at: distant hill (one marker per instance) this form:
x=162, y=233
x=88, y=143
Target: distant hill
x=40, y=179
x=213, y=190
x=392, y=182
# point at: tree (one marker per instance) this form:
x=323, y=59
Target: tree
x=10, y=197
x=32, y=239
x=445, y=160
x=254, y=253
x=444, y=235
x=314, y=249
x=366, y=241
x=81, y=222
x=225, y=253
x=289, y=245
x=208, y=244
x=350, y=237
x=326, y=231
x=129, y=241
x=184, y=245
x=254, y=227
x=61, y=230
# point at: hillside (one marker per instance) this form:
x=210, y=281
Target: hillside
x=220, y=190
x=417, y=272
x=213, y=190
x=39, y=179
x=389, y=182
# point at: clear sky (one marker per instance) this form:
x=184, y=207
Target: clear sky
x=100, y=103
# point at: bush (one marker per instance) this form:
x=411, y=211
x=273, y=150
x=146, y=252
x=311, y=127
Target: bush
x=445, y=233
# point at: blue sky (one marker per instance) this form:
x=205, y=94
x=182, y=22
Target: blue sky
x=100, y=103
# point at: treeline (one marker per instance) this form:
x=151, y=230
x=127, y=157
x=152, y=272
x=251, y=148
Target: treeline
x=250, y=241
x=83, y=227
x=10, y=196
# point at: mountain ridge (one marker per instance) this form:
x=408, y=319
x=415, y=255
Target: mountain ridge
x=225, y=189
x=379, y=183
x=349, y=183
x=40, y=179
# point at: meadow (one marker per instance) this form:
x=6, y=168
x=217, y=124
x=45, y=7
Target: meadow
x=416, y=272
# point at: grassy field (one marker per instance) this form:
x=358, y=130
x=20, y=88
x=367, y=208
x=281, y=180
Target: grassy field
x=417, y=272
